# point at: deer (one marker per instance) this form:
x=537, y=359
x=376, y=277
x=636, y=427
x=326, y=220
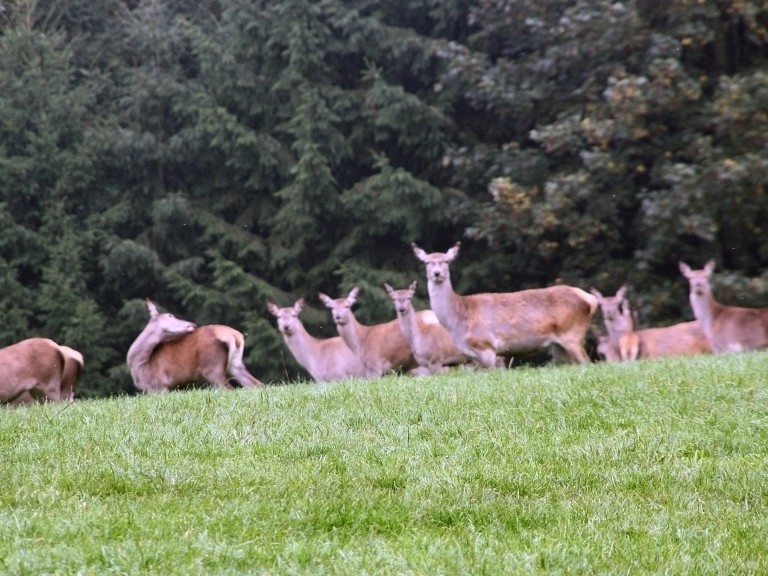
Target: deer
x=623, y=342
x=325, y=359
x=381, y=348
x=38, y=370
x=171, y=353
x=487, y=324
x=726, y=328
x=431, y=344
x=618, y=320
x=683, y=339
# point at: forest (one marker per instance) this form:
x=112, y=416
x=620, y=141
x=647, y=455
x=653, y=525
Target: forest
x=216, y=154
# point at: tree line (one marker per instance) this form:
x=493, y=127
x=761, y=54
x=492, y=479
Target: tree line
x=215, y=154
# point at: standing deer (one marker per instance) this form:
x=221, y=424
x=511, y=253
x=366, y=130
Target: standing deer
x=432, y=345
x=325, y=359
x=727, y=328
x=38, y=369
x=381, y=347
x=171, y=353
x=484, y=325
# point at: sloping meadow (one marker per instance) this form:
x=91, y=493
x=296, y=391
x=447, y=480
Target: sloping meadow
x=648, y=467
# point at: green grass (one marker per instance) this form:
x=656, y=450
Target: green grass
x=650, y=467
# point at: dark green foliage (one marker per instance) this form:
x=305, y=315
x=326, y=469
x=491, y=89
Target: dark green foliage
x=213, y=155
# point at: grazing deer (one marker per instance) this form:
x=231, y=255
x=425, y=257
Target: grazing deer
x=381, y=347
x=170, y=353
x=38, y=369
x=432, y=345
x=325, y=359
x=727, y=328
x=618, y=320
x=484, y=325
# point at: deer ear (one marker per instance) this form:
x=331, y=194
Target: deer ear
x=596, y=293
x=352, y=296
x=420, y=254
x=298, y=306
x=151, y=308
x=272, y=308
x=621, y=292
x=388, y=288
x=412, y=287
x=325, y=299
x=710, y=266
x=685, y=270
x=453, y=252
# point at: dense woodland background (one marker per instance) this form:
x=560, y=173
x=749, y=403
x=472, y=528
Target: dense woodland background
x=212, y=155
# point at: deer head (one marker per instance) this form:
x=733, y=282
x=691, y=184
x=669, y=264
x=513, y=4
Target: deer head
x=437, y=263
x=402, y=298
x=341, y=308
x=165, y=326
x=699, y=279
x=287, y=318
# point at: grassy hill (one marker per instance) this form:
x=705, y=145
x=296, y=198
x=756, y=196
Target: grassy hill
x=649, y=467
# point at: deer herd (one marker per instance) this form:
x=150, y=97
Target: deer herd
x=480, y=330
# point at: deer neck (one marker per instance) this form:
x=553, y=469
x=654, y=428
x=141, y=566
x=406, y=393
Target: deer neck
x=301, y=344
x=140, y=354
x=617, y=329
x=352, y=333
x=444, y=302
x=408, y=325
x=706, y=310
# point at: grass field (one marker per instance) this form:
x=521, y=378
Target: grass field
x=641, y=468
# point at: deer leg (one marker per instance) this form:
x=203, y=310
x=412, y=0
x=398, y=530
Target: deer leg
x=245, y=378
x=486, y=357
x=480, y=349
x=218, y=378
x=420, y=371
x=576, y=352
x=23, y=397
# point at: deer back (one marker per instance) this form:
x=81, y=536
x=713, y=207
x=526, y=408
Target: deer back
x=432, y=342
x=325, y=359
x=735, y=329
x=199, y=355
x=333, y=360
x=533, y=316
x=681, y=339
x=384, y=345
x=33, y=364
